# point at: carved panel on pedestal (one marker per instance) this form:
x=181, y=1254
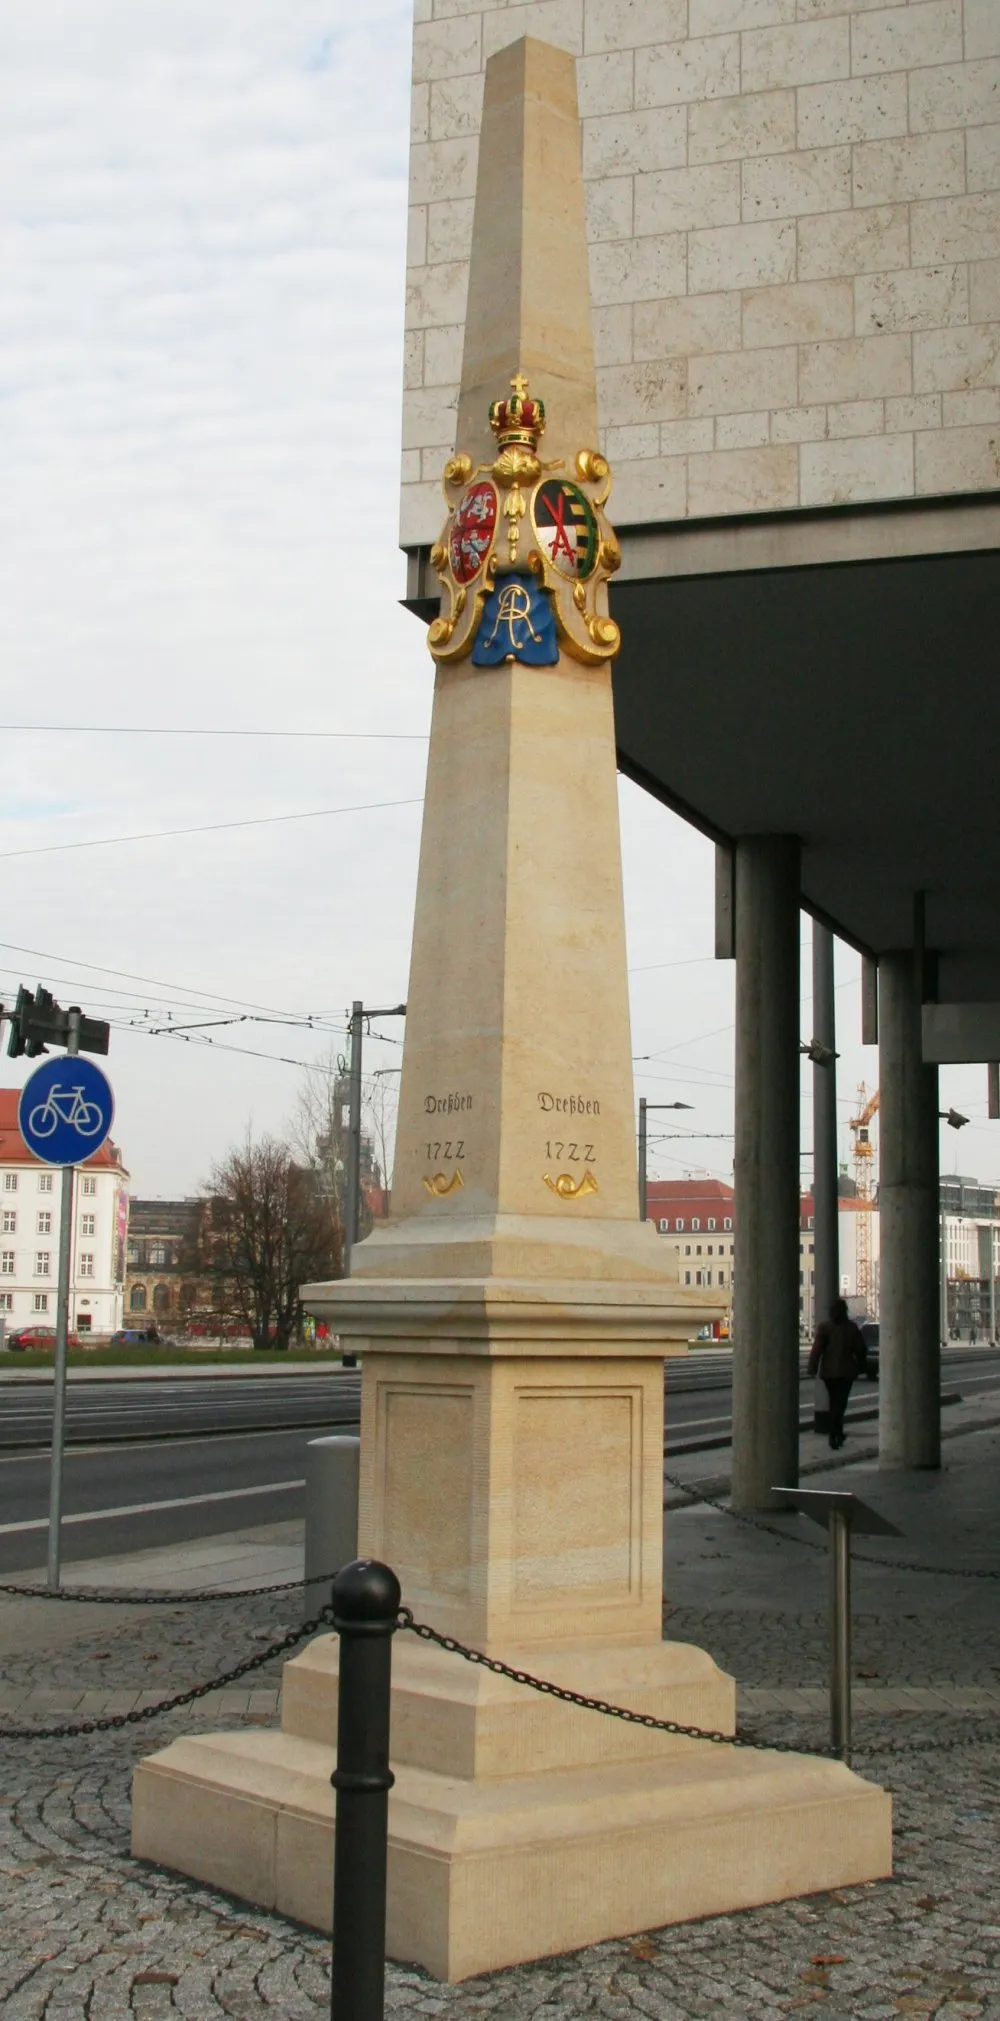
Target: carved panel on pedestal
x=578, y=1502
x=425, y=1438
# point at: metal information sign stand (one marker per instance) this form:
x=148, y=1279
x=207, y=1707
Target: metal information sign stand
x=839, y=1514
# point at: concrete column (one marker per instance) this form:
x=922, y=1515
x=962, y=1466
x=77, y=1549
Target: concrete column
x=910, y=1349
x=766, y=1292
x=827, y=1211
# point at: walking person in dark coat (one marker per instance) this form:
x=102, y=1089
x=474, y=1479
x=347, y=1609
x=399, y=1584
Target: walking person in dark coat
x=838, y=1355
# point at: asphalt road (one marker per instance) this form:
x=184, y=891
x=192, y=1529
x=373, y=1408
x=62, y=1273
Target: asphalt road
x=172, y=1406
x=129, y=1487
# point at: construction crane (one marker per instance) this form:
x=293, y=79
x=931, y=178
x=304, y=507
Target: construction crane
x=864, y=1186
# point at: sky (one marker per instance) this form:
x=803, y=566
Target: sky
x=202, y=230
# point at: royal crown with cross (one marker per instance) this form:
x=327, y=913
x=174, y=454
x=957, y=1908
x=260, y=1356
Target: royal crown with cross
x=520, y=419
x=527, y=535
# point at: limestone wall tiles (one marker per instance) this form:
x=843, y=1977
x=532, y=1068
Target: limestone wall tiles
x=794, y=222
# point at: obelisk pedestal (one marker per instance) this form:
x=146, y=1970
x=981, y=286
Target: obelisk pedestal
x=514, y=1316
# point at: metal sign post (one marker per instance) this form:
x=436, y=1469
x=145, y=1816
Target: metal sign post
x=839, y=1514
x=840, y=1633
x=644, y=1108
x=61, y=1354
x=63, y=1120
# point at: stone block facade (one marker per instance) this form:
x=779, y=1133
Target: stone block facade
x=794, y=223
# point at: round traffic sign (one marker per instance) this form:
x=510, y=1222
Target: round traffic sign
x=66, y=1110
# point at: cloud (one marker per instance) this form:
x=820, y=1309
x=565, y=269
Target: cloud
x=202, y=218
x=202, y=224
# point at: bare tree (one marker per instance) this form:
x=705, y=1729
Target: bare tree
x=271, y=1233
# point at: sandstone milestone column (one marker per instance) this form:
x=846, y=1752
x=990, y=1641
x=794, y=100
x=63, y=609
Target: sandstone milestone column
x=514, y=1315
x=513, y=1243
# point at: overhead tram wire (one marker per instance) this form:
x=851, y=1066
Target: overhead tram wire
x=323, y=1023
x=99, y=999
x=170, y=730
x=209, y=828
x=151, y=981
x=204, y=1041
x=718, y=1031
x=245, y=1052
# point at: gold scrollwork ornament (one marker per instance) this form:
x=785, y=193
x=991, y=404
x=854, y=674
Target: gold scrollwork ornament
x=520, y=513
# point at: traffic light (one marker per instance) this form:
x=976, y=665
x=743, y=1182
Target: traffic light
x=35, y=1019
x=31, y=1018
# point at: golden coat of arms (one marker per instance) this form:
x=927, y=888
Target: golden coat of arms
x=526, y=551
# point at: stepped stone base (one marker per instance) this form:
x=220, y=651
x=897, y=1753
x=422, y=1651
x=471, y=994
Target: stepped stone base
x=554, y=1828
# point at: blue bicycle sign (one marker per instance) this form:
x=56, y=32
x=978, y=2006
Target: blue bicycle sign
x=65, y=1111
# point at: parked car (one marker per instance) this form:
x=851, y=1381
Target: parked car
x=137, y=1336
x=37, y=1340
x=869, y=1334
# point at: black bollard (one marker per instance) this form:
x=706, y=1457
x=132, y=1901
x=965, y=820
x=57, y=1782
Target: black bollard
x=366, y=1597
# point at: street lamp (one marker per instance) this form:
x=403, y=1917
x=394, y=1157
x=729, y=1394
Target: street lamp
x=644, y=1107
x=818, y=1053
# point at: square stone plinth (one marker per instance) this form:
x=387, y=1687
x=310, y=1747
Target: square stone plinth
x=492, y=1872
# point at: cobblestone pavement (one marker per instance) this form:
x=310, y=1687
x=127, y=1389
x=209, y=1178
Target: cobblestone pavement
x=91, y=1933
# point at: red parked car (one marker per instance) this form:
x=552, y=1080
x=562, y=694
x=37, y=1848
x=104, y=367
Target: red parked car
x=37, y=1340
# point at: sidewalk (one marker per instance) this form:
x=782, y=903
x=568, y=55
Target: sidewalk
x=92, y=1933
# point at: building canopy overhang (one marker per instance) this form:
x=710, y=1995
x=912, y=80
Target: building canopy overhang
x=835, y=676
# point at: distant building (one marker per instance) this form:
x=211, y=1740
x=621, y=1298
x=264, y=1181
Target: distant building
x=168, y=1276
x=698, y=1215
x=852, y=1252
x=970, y=1228
x=30, y=1204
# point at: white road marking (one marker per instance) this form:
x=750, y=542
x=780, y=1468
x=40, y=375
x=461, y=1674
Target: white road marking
x=150, y=1508
x=38, y=1455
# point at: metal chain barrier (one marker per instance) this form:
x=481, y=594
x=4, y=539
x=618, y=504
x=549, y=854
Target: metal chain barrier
x=743, y=1739
x=95, y=1596
x=810, y=1544
x=76, y=1728
x=550, y=1690
x=114, y=1722
x=695, y=1494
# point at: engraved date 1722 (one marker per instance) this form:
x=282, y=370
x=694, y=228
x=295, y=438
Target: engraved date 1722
x=450, y=1147
x=582, y=1154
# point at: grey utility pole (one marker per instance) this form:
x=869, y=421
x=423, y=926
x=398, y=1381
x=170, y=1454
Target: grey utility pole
x=359, y=1016
x=644, y=1108
x=353, y=1200
x=62, y=1342
x=826, y=1207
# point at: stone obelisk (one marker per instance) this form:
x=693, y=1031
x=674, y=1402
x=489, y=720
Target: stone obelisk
x=515, y=1314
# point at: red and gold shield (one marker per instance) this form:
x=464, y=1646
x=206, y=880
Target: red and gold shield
x=472, y=530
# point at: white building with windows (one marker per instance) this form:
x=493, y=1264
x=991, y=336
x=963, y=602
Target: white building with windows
x=30, y=1202
x=698, y=1214
x=699, y=1217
